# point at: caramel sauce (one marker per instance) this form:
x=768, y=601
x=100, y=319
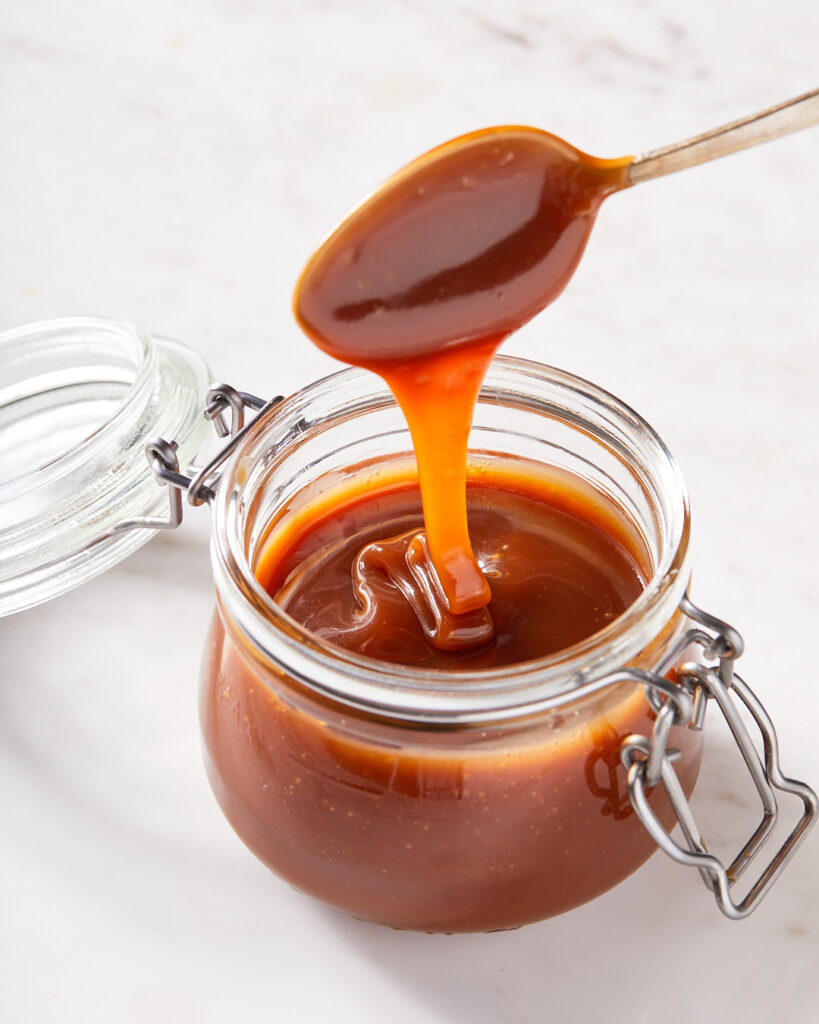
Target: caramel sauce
x=436, y=827
x=423, y=282
x=561, y=569
x=427, y=827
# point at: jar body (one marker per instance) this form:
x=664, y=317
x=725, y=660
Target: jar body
x=448, y=802
x=477, y=830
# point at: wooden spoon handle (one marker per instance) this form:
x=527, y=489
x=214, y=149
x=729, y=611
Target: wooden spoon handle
x=790, y=116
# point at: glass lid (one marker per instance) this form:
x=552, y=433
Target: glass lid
x=78, y=399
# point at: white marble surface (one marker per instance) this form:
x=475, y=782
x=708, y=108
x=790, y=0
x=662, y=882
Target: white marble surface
x=173, y=164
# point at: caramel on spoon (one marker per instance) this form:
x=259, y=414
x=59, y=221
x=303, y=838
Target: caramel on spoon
x=426, y=278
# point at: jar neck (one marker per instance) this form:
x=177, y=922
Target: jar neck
x=525, y=410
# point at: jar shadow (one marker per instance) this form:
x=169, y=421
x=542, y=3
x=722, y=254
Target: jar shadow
x=527, y=975
x=548, y=970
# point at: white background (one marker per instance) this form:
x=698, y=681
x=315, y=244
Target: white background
x=173, y=164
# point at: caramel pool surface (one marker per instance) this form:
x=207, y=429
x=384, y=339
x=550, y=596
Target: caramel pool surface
x=358, y=577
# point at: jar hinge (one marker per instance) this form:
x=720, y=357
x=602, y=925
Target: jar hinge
x=164, y=461
x=648, y=761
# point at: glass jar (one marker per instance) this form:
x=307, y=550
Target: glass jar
x=421, y=799
x=442, y=801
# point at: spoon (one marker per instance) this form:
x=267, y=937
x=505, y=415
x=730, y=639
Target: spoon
x=784, y=118
x=426, y=278
x=472, y=239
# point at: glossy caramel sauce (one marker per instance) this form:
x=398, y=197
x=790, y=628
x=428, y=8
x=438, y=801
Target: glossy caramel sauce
x=440, y=829
x=425, y=280
x=558, y=569
x=434, y=827
x=475, y=830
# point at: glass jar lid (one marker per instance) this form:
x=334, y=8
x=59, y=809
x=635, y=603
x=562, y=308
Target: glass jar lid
x=79, y=397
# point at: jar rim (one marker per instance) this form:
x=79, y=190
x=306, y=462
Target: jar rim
x=444, y=695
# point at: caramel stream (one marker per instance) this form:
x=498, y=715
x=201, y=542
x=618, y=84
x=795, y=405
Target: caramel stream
x=423, y=282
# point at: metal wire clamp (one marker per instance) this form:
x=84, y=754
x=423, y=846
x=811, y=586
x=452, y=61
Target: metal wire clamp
x=222, y=399
x=648, y=761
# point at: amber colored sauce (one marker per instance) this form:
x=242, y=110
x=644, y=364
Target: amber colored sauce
x=438, y=828
x=430, y=831
x=425, y=280
x=557, y=576
x=429, y=828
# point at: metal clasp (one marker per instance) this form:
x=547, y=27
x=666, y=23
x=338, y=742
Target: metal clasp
x=164, y=461
x=648, y=761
